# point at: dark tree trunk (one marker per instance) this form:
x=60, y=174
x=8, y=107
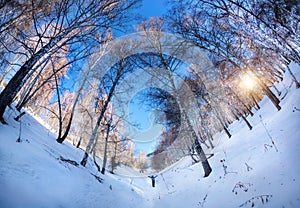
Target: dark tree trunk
x=247, y=122
x=227, y=132
x=105, y=149
x=271, y=95
x=20, y=116
x=78, y=144
x=16, y=82
x=103, y=110
x=10, y=91
x=197, y=146
x=206, y=167
x=26, y=97
x=62, y=138
x=84, y=160
x=236, y=116
x=256, y=103
x=95, y=161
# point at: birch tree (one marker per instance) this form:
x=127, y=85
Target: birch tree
x=239, y=38
x=170, y=67
x=81, y=25
x=108, y=83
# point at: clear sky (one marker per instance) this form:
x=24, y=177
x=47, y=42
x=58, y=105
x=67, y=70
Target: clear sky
x=152, y=8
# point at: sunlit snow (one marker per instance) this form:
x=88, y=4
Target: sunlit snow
x=257, y=168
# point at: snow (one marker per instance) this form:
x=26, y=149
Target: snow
x=247, y=168
x=31, y=174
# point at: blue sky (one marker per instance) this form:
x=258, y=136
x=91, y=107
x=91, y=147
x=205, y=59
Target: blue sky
x=153, y=8
x=139, y=115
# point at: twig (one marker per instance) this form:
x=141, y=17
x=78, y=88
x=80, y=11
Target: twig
x=72, y=162
x=225, y=168
x=242, y=186
x=266, y=147
x=268, y=133
x=164, y=181
x=248, y=167
x=264, y=199
x=98, y=178
x=203, y=200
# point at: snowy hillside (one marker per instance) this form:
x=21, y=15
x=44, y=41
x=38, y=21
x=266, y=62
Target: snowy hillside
x=248, y=171
x=257, y=168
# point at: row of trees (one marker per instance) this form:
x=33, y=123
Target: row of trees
x=257, y=36
x=246, y=40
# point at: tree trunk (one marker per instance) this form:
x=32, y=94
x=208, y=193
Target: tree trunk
x=247, y=122
x=254, y=100
x=10, y=91
x=84, y=160
x=78, y=144
x=20, y=116
x=206, y=167
x=25, y=97
x=270, y=94
x=272, y=97
x=227, y=132
x=105, y=149
x=103, y=110
x=294, y=77
x=113, y=159
x=60, y=119
x=95, y=161
x=61, y=139
x=16, y=82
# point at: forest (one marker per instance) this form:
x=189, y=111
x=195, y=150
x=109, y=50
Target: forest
x=77, y=65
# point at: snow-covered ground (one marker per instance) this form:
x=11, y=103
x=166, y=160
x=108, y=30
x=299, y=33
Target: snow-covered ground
x=248, y=169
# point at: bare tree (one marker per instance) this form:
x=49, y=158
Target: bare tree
x=239, y=38
x=110, y=82
x=170, y=67
x=108, y=129
x=81, y=25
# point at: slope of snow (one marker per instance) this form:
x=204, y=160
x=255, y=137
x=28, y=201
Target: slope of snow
x=32, y=175
x=248, y=169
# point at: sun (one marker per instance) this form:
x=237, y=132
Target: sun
x=247, y=82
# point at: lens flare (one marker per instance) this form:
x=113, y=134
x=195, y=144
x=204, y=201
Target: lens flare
x=248, y=82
